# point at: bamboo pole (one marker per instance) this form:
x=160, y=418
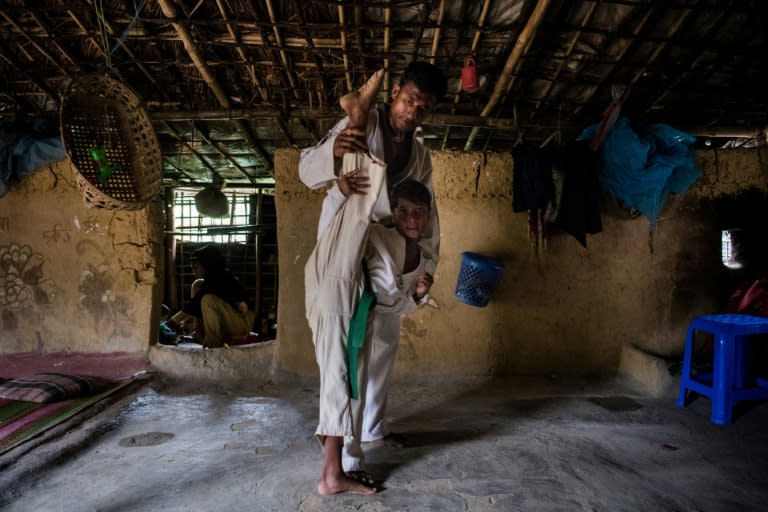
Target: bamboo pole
x=387, y=18
x=513, y=61
x=569, y=49
x=345, y=55
x=186, y=38
x=436, y=38
x=188, y=41
x=281, y=48
x=249, y=66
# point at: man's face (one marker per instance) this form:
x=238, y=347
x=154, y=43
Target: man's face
x=409, y=107
x=410, y=219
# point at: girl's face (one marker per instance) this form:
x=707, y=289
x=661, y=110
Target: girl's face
x=410, y=219
x=198, y=269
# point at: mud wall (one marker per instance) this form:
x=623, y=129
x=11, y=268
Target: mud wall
x=73, y=278
x=566, y=312
x=81, y=279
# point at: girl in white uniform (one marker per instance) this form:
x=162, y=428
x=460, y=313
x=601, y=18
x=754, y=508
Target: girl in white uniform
x=400, y=279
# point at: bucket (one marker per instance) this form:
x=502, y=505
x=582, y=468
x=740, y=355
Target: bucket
x=469, y=80
x=478, y=277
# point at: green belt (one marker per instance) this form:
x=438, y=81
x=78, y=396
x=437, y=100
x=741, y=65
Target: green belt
x=357, y=328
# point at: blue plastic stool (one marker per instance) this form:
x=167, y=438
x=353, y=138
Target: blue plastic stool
x=729, y=378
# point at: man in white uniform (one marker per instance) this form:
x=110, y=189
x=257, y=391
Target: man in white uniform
x=387, y=136
x=332, y=279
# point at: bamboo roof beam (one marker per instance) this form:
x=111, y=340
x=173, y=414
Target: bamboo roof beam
x=264, y=41
x=436, y=38
x=566, y=55
x=279, y=119
x=210, y=80
x=425, y=10
x=324, y=89
x=52, y=38
x=358, y=15
x=387, y=18
x=205, y=135
x=660, y=47
x=179, y=169
x=21, y=70
x=184, y=142
x=136, y=61
x=635, y=32
x=329, y=114
x=345, y=53
x=510, y=66
x=34, y=44
x=281, y=49
x=694, y=64
x=255, y=81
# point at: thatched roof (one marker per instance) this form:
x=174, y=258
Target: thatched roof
x=226, y=82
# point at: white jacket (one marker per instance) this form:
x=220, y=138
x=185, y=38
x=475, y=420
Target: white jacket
x=385, y=254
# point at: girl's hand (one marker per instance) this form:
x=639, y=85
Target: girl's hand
x=423, y=285
x=353, y=183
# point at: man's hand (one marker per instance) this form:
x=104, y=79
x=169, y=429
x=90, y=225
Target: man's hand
x=423, y=285
x=349, y=140
x=353, y=183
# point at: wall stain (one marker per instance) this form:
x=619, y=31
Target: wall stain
x=412, y=328
x=57, y=234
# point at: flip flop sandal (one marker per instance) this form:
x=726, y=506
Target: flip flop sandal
x=362, y=477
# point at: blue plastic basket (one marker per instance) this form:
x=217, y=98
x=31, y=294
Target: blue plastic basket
x=478, y=277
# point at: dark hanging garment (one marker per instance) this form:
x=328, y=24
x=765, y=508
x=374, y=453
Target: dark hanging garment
x=532, y=186
x=579, y=212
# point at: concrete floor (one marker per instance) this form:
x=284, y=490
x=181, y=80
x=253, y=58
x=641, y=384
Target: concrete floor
x=474, y=445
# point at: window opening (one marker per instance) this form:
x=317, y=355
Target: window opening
x=729, y=248
x=248, y=240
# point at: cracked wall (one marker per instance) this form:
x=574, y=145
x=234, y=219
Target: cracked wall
x=568, y=312
x=73, y=278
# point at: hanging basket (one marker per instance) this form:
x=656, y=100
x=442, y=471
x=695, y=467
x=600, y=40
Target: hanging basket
x=110, y=141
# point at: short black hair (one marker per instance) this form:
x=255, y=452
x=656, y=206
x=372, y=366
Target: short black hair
x=209, y=257
x=413, y=191
x=427, y=77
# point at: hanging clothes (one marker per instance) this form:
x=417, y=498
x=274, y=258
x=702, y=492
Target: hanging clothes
x=533, y=190
x=579, y=207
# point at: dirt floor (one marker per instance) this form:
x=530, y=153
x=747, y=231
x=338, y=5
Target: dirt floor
x=473, y=445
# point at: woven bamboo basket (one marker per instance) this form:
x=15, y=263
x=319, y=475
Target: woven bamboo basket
x=103, y=117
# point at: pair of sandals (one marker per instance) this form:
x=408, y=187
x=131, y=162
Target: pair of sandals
x=364, y=478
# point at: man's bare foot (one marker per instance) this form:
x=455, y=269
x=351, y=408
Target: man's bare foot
x=330, y=485
x=393, y=440
x=357, y=103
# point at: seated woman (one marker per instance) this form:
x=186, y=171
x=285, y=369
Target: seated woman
x=219, y=303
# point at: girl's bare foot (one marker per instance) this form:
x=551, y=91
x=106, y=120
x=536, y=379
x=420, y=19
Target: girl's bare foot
x=357, y=103
x=334, y=485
